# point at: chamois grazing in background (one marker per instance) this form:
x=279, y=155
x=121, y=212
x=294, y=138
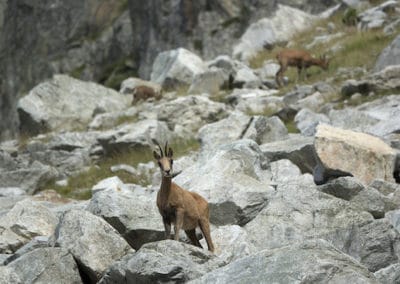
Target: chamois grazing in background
x=300, y=59
x=145, y=93
x=186, y=210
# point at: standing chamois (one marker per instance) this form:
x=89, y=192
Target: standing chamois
x=186, y=210
x=300, y=59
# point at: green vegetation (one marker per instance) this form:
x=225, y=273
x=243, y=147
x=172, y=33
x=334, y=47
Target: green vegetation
x=79, y=186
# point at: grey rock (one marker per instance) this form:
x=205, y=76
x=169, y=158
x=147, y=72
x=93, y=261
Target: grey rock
x=11, y=191
x=46, y=265
x=386, y=79
x=233, y=179
x=343, y=187
x=389, y=275
x=65, y=103
x=136, y=136
x=175, y=68
x=109, y=120
x=224, y=131
x=66, y=37
x=190, y=113
x=365, y=198
x=375, y=17
x=92, y=241
x=246, y=78
x=389, y=56
x=131, y=211
x=165, y=261
x=27, y=219
x=299, y=92
x=298, y=149
x=307, y=121
x=294, y=213
x=8, y=275
x=266, y=129
x=36, y=242
x=307, y=262
x=209, y=82
x=28, y=177
x=375, y=244
x=353, y=119
x=230, y=242
x=256, y=101
x=268, y=31
x=316, y=101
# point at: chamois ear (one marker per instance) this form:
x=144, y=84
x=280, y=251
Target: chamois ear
x=156, y=155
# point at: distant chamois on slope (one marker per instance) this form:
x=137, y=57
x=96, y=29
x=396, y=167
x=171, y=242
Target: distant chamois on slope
x=300, y=59
x=186, y=210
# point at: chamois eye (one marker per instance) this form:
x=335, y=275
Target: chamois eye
x=172, y=161
x=159, y=164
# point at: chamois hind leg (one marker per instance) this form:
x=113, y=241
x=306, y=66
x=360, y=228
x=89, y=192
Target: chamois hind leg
x=205, y=228
x=167, y=227
x=193, y=238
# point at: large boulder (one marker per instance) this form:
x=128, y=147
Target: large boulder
x=224, y=131
x=187, y=114
x=47, y=265
x=8, y=275
x=389, y=56
x=256, y=101
x=131, y=211
x=264, y=129
x=26, y=220
x=364, y=156
x=209, y=82
x=306, y=262
x=92, y=241
x=160, y=262
x=28, y=177
x=230, y=242
x=176, y=68
x=286, y=22
x=297, y=148
x=233, y=179
x=135, y=136
x=65, y=103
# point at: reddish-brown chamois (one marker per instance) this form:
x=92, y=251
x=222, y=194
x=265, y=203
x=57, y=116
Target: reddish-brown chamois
x=145, y=93
x=186, y=210
x=300, y=59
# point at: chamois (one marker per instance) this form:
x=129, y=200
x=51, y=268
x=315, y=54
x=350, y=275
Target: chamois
x=186, y=210
x=300, y=59
x=144, y=93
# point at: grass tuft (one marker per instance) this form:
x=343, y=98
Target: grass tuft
x=79, y=186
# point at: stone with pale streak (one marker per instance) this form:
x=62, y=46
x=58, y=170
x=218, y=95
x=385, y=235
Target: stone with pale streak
x=366, y=157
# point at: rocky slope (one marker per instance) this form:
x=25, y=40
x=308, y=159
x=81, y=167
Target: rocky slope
x=318, y=205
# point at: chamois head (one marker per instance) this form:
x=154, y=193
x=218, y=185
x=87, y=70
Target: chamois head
x=164, y=160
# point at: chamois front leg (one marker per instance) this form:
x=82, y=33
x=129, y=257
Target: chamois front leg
x=178, y=222
x=167, y=228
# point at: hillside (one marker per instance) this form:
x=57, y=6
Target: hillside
x=302, y=180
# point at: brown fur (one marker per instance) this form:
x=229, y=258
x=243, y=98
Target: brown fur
x=300, y=59
x=145, y=93
x=186, y=210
